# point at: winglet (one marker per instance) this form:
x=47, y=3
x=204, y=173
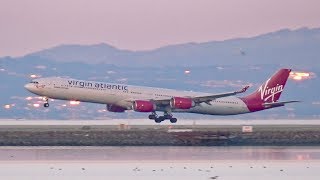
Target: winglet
x=243, y=90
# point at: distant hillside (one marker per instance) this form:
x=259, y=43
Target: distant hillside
x=92, y=54
x=299, y=47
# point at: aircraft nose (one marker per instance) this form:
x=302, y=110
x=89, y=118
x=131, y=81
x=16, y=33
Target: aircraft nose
x=29, y=86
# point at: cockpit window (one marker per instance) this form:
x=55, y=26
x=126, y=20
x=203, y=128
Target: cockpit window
x=34, y=82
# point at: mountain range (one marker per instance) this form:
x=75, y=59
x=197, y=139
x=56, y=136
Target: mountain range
x=286, y=47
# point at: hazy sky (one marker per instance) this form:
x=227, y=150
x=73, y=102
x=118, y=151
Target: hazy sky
x=31, y=25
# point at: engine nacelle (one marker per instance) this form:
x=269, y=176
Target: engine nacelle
x=181, y=103
x=115, y=108
x=143, y=106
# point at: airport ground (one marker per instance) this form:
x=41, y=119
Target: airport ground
x=218, y=134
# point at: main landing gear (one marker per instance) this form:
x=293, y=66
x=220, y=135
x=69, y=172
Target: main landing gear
x=46, y=104
x=159, y=119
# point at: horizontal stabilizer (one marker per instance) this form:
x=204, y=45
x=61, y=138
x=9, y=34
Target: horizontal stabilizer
x=277, y=104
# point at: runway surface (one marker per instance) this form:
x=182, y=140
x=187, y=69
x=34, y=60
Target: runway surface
x=137, y=132
x=159, y=163
x=188, y=122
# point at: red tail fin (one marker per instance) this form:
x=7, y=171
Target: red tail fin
x=269, y=91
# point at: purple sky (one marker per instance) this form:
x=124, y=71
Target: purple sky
x=31, y=25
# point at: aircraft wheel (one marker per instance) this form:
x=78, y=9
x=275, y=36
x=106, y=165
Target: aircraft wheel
x=152, y=116
x=159, y=119
x=46, y=105
x=173, y=120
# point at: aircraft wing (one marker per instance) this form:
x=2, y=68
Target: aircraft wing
x=206, y=99
x=277, y=104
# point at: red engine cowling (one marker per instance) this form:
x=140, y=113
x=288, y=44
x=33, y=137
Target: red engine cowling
x=181, y=103
x=143, y=106
x=115, y=108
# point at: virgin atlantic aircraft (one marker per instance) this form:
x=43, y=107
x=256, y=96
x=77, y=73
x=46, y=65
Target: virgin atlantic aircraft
x=120, y=97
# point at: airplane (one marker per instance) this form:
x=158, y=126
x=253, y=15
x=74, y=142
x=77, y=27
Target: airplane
x=122, y=97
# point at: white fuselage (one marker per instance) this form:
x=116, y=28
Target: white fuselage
x=109, y=93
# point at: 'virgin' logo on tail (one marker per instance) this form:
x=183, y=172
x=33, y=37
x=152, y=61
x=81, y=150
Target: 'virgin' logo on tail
x=269, y=92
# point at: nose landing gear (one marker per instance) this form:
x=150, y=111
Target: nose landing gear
x=46, y=104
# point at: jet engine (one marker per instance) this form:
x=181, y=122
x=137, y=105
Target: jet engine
x=181, y=103
x=115, y=108
x=143, y=106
